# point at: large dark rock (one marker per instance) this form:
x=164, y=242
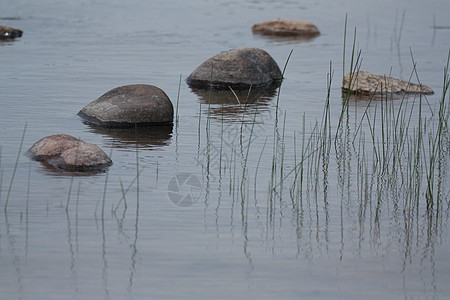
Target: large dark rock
x=365, y=83
x=9, y=33
x=65, y=152
x=238, y=69
x=286, y=27
x=130, y=105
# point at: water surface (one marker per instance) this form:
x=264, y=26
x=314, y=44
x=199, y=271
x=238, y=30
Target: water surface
x=346, y=234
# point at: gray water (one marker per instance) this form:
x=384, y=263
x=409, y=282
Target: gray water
x=342, y=237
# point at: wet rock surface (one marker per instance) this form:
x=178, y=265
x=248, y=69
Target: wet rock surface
x=130, y=105
x=9, y=33
x=286, y=27
x=365, y=83
x=239, y=69
x=68, y=153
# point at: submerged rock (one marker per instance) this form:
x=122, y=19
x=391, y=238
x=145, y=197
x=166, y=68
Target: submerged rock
x=286, y=27
x=65, y=152
x=130, y=105
x=9, y=33
x=365, y=83
x=238, y=69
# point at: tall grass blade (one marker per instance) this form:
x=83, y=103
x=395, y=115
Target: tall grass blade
x=15, y=167
x=178, y=100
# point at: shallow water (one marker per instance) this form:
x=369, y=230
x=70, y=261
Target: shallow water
x=349, y=236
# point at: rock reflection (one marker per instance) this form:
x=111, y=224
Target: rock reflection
x=6, y=42
x=145, y=137
x=49, y=169
x=231, y=104
x=358, y=97
x=287, y=38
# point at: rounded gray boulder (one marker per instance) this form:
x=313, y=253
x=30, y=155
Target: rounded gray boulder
x=238, y=69
x=130, y=105
x=63, y=151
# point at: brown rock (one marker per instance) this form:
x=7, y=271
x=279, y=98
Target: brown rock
x=238, y=69
x=365, y=83
x=130, y=105
x=65, y=152
x=286, y=27
x=9, y=33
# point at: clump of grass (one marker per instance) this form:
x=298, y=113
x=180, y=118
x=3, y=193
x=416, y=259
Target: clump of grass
x=275, y=133
x=436, y=142
x=399, y=148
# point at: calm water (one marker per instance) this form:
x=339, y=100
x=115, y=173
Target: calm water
x=347, y=232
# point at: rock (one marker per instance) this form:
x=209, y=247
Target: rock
x=238, y=69
x=286, y=27
x=365, y=83
x=130, y=105
x=9, y=33
x=65, y=152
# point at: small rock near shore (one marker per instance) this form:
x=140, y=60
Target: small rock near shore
x=239, y=69
x=9, y=33
x=286, y=27
x=366, y=83
x=65, y=152
x=130, y=105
